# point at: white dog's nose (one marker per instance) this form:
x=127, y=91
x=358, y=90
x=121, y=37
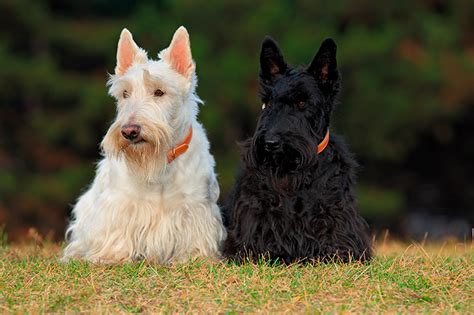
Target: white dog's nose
x=130, y=132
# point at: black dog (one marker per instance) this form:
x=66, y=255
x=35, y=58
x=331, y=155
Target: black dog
x=294, y=199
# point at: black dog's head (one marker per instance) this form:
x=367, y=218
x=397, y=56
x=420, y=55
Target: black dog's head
x=296, y=110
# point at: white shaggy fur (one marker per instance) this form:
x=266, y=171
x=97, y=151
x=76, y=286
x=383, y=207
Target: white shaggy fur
x=140, y=206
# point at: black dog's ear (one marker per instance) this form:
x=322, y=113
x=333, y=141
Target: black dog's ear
x=324, y=67
x=272, y=63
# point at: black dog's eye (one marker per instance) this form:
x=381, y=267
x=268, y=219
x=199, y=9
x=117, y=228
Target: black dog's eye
x=301, y=104
x=158, y=93
x=125, y=94
x=266, y=105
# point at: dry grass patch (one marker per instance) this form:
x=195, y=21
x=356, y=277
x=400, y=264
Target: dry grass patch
x=430, y=278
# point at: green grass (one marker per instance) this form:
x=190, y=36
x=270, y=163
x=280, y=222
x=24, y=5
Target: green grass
x=402, y=278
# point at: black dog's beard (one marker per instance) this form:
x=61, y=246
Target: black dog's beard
x=295, y=155
x=285, y=160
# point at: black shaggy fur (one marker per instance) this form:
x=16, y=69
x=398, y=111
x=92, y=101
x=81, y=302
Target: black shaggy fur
x=289, y=203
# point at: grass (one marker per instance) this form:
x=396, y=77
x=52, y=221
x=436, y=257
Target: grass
x=402, y=278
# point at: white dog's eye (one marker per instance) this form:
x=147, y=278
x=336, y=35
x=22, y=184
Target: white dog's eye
x=125, y=94
x=158, y=93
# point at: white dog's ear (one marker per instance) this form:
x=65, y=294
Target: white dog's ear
x=178, y=54
x=128, y=53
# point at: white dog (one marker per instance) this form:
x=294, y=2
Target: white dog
x=155, y=191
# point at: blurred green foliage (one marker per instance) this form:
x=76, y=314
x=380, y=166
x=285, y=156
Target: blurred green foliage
x=407, y=67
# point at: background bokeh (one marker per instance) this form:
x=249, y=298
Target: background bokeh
x=406, y=108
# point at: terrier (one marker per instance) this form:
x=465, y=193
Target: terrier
x=294, y=199
x=155, y=191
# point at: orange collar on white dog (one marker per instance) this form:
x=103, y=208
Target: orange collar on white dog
x=323, y=143
x=180, y=148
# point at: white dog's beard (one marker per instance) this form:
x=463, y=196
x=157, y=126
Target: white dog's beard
x=145, y=159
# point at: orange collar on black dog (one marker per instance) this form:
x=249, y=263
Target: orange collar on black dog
x=323, y=143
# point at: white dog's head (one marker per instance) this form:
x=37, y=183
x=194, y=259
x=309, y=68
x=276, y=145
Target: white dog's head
x=156, y=103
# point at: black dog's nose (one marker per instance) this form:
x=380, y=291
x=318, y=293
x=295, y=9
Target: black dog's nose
x=130, y=132
x=272, y=144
